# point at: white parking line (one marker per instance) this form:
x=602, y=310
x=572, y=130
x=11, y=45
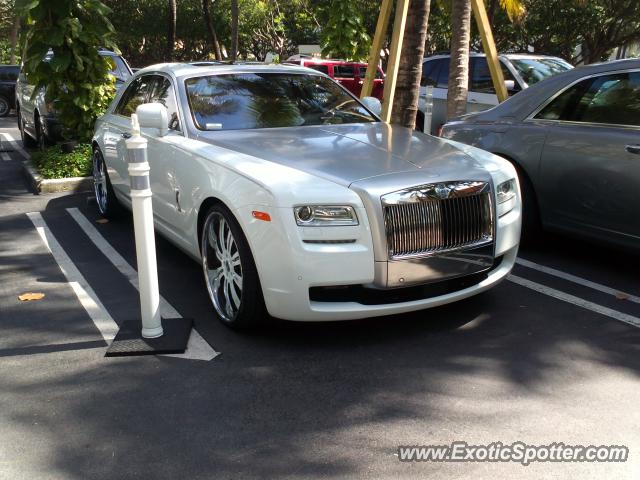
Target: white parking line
x=580, y=302
x=578, y=280
x=15, y=145
x=197, y=347
x=87, y=297
x=5, y=156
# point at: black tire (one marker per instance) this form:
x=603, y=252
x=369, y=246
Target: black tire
x=218, y=271
x=108, y=204
x=5, y=108
x=27, y=140
x=531, y=224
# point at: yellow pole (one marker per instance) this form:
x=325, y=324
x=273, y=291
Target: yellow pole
x=489, y=46
x=376, y=46
x=399, y=23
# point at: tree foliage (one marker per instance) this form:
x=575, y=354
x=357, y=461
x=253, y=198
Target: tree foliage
x=77, y=78
x=344, y=35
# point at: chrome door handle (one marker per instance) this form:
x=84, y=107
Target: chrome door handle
x=126, y=135
x=633, y=149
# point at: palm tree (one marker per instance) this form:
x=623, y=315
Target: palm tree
x=459, y=62
x=210, y=28
x=460, y=37
x=405, y=102
x=171, y=38
x=234, y=30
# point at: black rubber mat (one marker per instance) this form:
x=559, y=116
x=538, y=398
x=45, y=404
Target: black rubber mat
x=129, y=341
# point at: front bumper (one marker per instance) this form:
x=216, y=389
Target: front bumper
x=291, y=268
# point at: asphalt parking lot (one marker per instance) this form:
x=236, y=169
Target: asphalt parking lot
x=550, y=355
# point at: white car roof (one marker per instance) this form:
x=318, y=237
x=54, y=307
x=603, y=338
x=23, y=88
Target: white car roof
x=514, y=56
x=183, y=70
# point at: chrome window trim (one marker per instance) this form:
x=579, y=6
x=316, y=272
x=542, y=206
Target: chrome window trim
x=531, y=116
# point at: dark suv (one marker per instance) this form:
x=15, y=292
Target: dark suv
x=8, y=77
x=36, y=119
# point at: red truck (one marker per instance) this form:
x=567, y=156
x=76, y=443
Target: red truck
x=349, y=74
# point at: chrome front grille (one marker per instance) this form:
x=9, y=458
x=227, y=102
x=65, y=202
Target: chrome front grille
x=437, y=218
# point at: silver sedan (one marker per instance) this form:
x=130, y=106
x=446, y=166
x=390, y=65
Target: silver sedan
x=575, y=140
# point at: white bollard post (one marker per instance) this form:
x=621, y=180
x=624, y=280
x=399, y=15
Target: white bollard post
x=143, y=227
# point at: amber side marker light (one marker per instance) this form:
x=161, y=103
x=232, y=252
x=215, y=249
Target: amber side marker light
x=261, y=216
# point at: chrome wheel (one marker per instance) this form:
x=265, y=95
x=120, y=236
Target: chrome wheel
x=222, y=266
x=99, y=182
x=40, y=136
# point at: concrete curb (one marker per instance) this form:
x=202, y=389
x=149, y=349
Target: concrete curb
x=43, y=185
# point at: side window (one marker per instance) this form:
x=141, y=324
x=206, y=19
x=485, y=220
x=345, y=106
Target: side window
x=136, y=94
x=162, y=92
x=442, y=80
x=611, y=99
x=481, y=80
x=429, y=73
x=9, y=74
x=343, y=71
x=363, y=72
x=319, y=68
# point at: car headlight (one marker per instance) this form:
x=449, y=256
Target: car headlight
x=506, y=193
x=325, y=215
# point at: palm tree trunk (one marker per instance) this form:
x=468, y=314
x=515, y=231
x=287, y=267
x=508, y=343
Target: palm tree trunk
x=459, y=66
x=234, y=30
x=405, y=102
x=212, y=31
x=171, y=38
x=13, y=38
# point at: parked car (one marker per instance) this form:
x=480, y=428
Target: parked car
x=349, y=74
x=297, y=199
x=520, y=71
x=8, y=77
x=36, y=117
x=575, y=141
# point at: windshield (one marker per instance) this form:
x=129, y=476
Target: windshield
x=268, y=100
x=121, y=72
x=532, y=70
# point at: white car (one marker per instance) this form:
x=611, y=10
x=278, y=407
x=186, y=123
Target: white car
x=520, y=71
x=298, y=201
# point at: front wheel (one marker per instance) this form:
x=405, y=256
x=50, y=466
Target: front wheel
x=229, y=271
x=108, y=204
x=27, y=140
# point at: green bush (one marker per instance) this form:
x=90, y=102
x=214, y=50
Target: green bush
x=54, y=163
x=77, y=78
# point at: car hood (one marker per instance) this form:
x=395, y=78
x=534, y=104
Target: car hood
x=348, y=153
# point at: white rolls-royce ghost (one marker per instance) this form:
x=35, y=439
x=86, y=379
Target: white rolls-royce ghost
x=298, y=201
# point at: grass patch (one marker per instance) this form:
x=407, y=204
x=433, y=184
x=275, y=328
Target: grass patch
x=53, y=163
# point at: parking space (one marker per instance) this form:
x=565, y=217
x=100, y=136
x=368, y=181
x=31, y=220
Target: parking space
x=550, y=355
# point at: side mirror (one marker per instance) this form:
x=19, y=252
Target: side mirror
x=153, y=115
x=373, y=104
x=510, y=85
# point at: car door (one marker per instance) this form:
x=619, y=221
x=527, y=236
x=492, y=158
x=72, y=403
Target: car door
x=377, y=88
x=482, y=93
x=162, y=154
x=435, y=73
x=24, y=93
x=590, y=164
x=345, y=74
x=117, y=130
